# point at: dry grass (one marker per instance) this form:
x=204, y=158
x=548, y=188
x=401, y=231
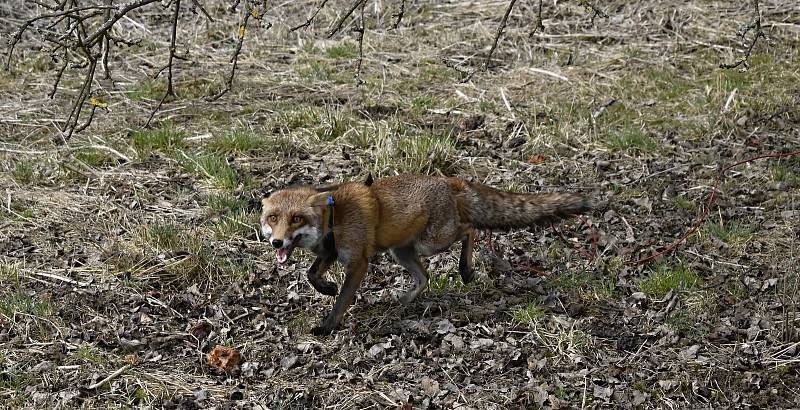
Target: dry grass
x=118, y=240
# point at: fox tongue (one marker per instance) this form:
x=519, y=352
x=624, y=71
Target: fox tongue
x=282, y=255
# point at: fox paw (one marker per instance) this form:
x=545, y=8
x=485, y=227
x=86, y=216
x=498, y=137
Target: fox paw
x=322, y=330
x=467, y=275
x=326, y=288
x=407, y=297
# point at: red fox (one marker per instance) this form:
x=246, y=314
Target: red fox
x=409, y=215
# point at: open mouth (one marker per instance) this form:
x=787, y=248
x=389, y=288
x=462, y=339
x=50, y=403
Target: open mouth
x=282, y=254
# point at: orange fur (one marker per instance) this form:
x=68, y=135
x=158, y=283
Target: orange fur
x=409, y=215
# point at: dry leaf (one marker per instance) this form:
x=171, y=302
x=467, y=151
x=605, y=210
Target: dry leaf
x=225, y=358
x=536, y=159
x=131, y=359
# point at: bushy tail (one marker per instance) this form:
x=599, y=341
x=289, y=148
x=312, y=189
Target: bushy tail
x=488, y=208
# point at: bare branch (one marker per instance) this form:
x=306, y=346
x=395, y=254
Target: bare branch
x=196, y=5
x=344, y=17
x=127, y=7
x=172, y=47
x=398, y=17
x=310, y=19
x=499, y=33
x=72, y=121
x=59, y=74
x=758, y=33
x=360, y=31
x=17, y=35
x=106, y=44
x=255, y=13
x=538, y=26
x=466, y=73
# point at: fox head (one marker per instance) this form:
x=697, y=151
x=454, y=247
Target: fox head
x=291, y=218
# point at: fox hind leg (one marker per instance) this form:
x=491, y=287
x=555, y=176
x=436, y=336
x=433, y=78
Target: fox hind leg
x=465, y=260
x=408, y=258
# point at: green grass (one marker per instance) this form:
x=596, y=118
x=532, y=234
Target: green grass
x=95, y=157
x=732, y=232
x=165, y=140
x=24, y=174
x=298, y=119
x=666, y=278
x=631, y=139
x=8, y=273
x=585, y=285
x=187, y=255
x=420, y=104
x=436, y=72
x=149, y=89
x=19, y=212
x=13, y=388
x=324, y=124
x=345, y=50
x=301, y=322
x=331, y=124
x=237, y=224
x=15, y=300
x=684, y=203
x=529, y=313
x=87, y=354
x=316, y=71
x=226, y=204
x=237, y=142
x=423, y=154
x=214, y=167
x=163, y=237
x=783, y=174
x=440, y=283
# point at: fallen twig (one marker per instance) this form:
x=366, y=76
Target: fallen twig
x=110, y=377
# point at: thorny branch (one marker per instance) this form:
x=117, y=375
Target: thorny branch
x=758, y=32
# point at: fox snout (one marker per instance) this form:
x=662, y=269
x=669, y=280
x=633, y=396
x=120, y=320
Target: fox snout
x=277, y=243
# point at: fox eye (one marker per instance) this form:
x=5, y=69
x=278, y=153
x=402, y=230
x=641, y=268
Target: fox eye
x=297, y=219
x=273, y=218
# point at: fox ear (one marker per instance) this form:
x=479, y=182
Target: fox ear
x=320, y=199
x=369, y=180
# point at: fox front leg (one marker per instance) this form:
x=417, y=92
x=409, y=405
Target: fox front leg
x=356, y=269
x=317, y=272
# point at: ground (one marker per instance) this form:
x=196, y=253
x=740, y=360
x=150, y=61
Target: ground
x=136, y=248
